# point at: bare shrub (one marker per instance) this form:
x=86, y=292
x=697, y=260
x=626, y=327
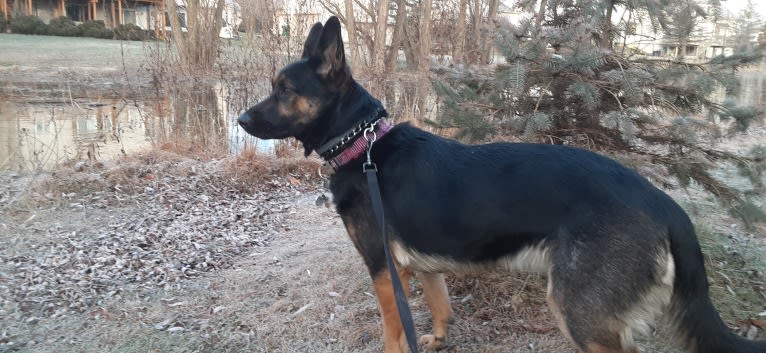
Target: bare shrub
x=198, y=47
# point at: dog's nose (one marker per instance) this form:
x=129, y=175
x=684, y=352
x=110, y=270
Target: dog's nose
x=243, y=120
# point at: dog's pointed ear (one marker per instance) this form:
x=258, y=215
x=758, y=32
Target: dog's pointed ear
x=330, y=49
x=312, y=40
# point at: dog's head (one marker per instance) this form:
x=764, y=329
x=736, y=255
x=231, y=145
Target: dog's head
x=305, y=90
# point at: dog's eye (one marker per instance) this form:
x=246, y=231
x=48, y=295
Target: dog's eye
x=285, y=92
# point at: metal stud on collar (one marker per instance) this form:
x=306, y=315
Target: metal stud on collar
x=344, y=140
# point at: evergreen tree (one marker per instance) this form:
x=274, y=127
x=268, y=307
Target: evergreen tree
x=747, y=28
x=562, y=83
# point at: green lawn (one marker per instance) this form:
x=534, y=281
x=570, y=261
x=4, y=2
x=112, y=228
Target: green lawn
x=19, y=50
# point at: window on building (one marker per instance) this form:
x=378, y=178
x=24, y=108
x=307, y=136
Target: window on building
x=129, y=16
x=181, y=19
x=76, y=12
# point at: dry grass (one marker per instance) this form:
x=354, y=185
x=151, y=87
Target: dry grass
x=133, y=173
x=251, y=168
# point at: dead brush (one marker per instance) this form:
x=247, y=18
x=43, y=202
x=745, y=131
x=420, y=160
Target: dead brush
x=251, y=168
x=247, y=172
x=127, y=175
x=193, y=149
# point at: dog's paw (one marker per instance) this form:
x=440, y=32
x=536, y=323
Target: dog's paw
x=324, y=201
x=431, y=342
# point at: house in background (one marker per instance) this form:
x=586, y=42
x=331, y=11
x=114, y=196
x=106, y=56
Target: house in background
x=712, y=36
x=143, y=13
x=149, y=15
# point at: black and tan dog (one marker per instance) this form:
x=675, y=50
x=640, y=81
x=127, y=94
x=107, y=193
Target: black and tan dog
x=618, y=252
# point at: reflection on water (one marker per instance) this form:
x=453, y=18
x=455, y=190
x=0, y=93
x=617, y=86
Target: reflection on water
x=38, y=134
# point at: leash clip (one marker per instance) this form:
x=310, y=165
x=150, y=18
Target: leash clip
x=370, y=136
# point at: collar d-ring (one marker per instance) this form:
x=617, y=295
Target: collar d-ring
x=370, y=136
x=373, y=135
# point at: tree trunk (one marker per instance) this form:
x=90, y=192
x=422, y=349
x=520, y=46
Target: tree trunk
x=475, y=55
x=487, y=35
x=606, y=31
x=380, y=36
x=458, y=51
x=396, y=37
x=214, y=34
x=424, y=62
x=351, y=29
x=410, y=47
x=540, y=16
x=192, y=36
x=177, y=32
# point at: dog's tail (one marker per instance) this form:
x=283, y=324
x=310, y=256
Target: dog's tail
x=693, y=315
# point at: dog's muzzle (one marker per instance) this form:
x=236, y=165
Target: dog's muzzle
x=254, y=124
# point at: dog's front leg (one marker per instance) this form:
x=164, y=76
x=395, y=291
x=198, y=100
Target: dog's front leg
x=394, y=340
x=437, y=297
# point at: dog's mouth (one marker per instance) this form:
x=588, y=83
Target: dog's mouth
x=260, y=128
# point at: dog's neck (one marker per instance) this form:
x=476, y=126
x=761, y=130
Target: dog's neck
x=356, y=147
x=354, y=111
x=336, y=144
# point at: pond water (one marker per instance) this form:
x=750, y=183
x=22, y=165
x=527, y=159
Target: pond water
x=40, y=132
x=41, y=127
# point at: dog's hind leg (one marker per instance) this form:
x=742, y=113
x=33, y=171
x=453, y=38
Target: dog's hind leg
x=588, y=329
x=437, y=297
x=609, y=279
x=394, y=340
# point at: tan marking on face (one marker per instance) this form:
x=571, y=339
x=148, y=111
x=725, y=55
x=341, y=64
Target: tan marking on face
x=304, y=108
x=283, y=110
x=301, y=109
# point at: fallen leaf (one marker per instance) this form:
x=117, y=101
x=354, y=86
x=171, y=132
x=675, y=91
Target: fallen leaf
x=758, y=323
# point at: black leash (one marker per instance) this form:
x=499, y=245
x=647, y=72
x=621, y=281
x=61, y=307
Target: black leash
x=371, y=170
